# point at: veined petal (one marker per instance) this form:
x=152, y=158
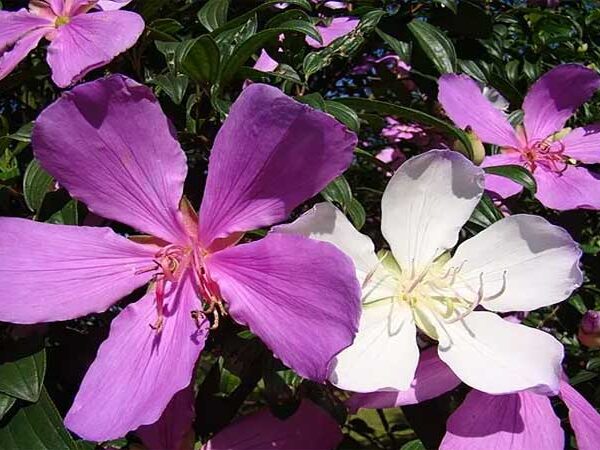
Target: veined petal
x=14, y=25
x=583, y=144
x=519, y=263
x=554, y=98
x=309, y=428
x=504, y=422
x=466, y=106
x=138, y=370
x=496, y=356
x=174, y=428
x=300, y=296
x=502, y=186
x=583, y=417
x=111, y=5
x=111, y=146
x=339, y=26
x=265, y=63
x=575, y=188
x=426, y=203
x=271, y=154
x=90, y=41
x=384, y=354
x=57, y=272
x=432, y=379
x=10, y=58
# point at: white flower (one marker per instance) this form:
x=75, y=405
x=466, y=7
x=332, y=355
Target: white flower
x=517, y=264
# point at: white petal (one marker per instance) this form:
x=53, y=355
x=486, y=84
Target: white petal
x=426, y=203
x=384, y=355
x=522, y=261
x=495, y=356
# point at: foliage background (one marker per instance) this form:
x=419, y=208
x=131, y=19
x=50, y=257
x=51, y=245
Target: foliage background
x=196, y=55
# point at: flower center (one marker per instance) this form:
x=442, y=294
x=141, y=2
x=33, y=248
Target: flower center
x=61, y=20
x=547, y=153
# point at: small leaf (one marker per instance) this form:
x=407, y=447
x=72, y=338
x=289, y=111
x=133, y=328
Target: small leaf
x=450, y=4
x=357, y=213
x=173, y=85
x=6, y=402
x=515, y=173
x=213, y=14
x=435, y=44
x=338, y=191
x=344, y=114
x=402, y=49
x=9, y=166
x=68, y=215
x=413, y=445
x=485, y=213
x=36, y=184
x=199, y=58
x=23, y=377
x=314, y=99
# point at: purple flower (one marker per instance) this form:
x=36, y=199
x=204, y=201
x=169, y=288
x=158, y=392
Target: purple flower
x=79, y=42
x=338, y=27
x=589, y=329
x=110, y=145
x=541, y=145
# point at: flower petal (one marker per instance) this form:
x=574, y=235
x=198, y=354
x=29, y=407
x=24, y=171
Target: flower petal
x=575, y=188
x=271, y=154
x=309, y=428
x=111, y=5
x=14, y=25
x=554, y=98
x=583, y=144
x=426, y=203
x=265, y=63
x=506, y=422
x=384, y=354
x=432, y=379
x=174, y=428
x=111, y=146
x=519, y=263
x=502, y=186
x=496, y=356
x=137, y=371
x=57, y=272
x=10, y=58
x=583, y=417
x=300, y=296
x=339, y=26
x=466, y=106
x=90, y=41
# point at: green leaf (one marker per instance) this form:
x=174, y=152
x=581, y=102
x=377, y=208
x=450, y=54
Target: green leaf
x=515, y=173
x=23, y=377
x=9, y=166
x=36, y=184
x=357, y=213
x=173, y=85
x=213, y=14
x=344, y=114
x=450, y=4
x=314, y=99
x=389, y=109
x=413, y=445
x=435, y=44
x=6, y=402
x=485, y=213
x=68, y=215
x=199, y=58
x=338, y=191
x=402, y=49
x=285, y=15
x=36, y=427
x=472, y=69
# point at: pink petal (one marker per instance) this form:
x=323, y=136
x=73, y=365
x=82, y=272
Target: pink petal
x=265, y=63
x=339, y=26
x=466, y=106
x=502, y=186
x=111, y=5
x=432, y=379
x=15, y=25
x=111, y=146
x=173, y=429
x=90, y=41
x=583, y=144
x=137, y=370
x=56, y=272
x=522, y=421
x=19, y=51
x=271, y=154
x=574, y=188
x=309, y=428
x=299, y=295
x=583, y=417
x=554, y=98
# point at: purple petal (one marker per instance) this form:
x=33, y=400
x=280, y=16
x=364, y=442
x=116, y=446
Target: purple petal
x=574, y=188
x=15, y=25
x=90, y=41
x=466, y=106
x=299, y=295
x=583, y=417
x=271, y=154
x=502, y=186
x=57, y=272
x=111, y=5
x=583, y=144
x=522, y=421
x=309, y=428
x=174, y=427
x=265, y=63
x=339, y=26
x=432, y=379
x=138, y=370
x=111, y=146
x=554, y=98
x=17, y=53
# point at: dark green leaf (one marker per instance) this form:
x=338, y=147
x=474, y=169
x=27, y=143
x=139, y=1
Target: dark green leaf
x=314, y=99
x=402, y=49
x=515, y=173
x=485, y=213
x=68, y=215
x=338, y=191
x=23, y=377
x=6, y=402
x=199, y=58
x=435, y=44
x=36, y=184
x=472, y=69
x=173, y=85
x=9, y=166
x=344, y=114
x=213, y=14
x=357, y=213
x=413, y=445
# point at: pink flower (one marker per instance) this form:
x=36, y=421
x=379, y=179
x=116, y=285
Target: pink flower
x=392, y=156
x=110, y=145
x=265, y=63
x=396, y=65
x=540, y=145
x=338, y=27
x=523, y=420
x=397, y=132
x=79, y=42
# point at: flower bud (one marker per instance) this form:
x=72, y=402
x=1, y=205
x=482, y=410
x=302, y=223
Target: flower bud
x=478, y=150
x=589, y=329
